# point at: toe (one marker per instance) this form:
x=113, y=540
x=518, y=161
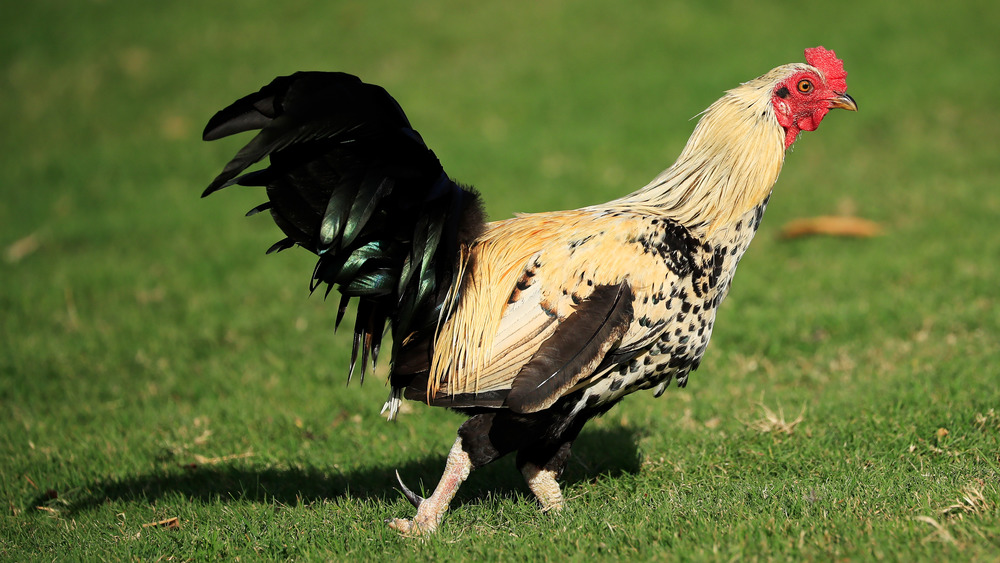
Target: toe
x=410, y=528
x=401, y=525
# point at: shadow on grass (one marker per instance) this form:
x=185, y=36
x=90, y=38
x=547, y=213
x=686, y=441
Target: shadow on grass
x=609, y=452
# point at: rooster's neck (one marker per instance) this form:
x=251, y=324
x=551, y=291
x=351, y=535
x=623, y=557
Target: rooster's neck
x=727, y=169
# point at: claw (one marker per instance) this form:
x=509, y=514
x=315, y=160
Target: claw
x=405, y=526
x=411, y=496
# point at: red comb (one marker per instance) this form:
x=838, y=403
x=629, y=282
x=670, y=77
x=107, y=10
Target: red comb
x=832, y=67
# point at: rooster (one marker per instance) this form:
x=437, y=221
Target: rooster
x=532, y=325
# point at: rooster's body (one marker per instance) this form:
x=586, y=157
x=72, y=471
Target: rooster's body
x=535, y=324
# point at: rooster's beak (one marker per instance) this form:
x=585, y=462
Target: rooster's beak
x=843, y=101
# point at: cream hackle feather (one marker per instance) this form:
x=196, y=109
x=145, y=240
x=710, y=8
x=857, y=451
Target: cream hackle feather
x=730, y=162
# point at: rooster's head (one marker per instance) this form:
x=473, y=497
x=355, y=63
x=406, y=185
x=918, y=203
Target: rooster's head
x=802, y=99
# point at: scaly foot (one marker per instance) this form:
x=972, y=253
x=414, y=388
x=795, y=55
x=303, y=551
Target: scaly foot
x=543, y=483
x=430, y=511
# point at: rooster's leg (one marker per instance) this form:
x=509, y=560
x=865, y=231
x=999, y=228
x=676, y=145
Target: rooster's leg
x=543, y=483
x=541, y=476
x=431, y=510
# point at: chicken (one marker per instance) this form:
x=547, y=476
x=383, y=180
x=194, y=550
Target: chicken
x=532, y=325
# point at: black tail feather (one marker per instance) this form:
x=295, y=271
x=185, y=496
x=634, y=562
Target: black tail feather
x=352, y=182
x=283, y=244
x=262, y=207
x=345, y=300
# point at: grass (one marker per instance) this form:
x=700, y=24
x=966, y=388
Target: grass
x=154, y=365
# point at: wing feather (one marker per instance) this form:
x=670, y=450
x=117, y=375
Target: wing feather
x=575, y=348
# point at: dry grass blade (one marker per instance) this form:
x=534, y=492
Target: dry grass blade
x=774, y=422
x=21, y=248
x=202, y=460
x=169, y=523
x=973, y=501
x=940, y=532
x=988, y=421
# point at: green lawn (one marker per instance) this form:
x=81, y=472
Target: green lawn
x=154, y=364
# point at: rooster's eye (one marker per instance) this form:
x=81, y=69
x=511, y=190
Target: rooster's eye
x=804, y=86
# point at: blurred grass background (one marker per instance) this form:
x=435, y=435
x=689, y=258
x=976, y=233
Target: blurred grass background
x=154, y=364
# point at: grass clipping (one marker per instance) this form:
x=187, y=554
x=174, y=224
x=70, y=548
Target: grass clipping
x=772, y=422
x=831, y=225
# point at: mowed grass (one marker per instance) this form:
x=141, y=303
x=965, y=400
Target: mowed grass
x=154, y=365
